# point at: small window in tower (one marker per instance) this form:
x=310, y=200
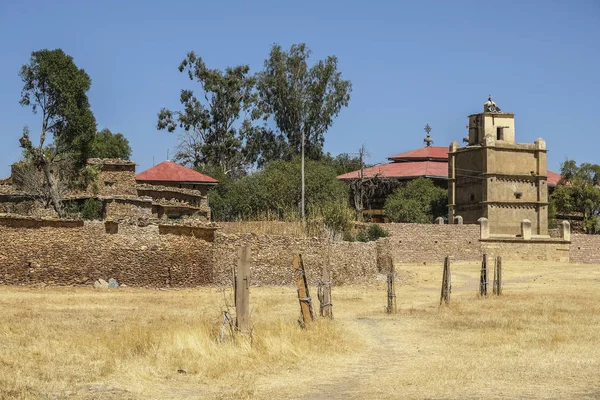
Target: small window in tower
x=518, y=195
x=500, y=133
x=472, y=197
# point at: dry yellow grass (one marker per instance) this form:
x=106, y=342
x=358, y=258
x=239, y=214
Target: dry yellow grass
x=540, y=340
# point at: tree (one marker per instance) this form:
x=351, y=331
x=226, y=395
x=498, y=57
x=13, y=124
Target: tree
x=578, y=194
x=211, y=134
x=54, y=86
x=302, y=100
x=110, y=145
x=419, y=201
x=274, y=192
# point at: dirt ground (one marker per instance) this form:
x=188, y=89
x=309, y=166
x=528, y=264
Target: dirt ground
x=540, y=339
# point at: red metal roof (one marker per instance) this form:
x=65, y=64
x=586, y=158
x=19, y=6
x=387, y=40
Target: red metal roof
x=169, y=171
x=409, y=170
x=553, y=178
x=428, y=153
x=405, y=170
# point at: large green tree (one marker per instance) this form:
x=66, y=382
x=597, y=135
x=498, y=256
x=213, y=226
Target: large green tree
x=274, y=192
x=110, y=145
x=57, y=89
x=300, y=99
x=578, y=194
x=212, y=122
x=419, y=201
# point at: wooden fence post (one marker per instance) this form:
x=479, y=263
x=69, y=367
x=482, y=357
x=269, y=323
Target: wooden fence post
x=498, y=276
x=391, y=289
x=303, y=293
x=446, y=282
x=483, y=278
x=242, y=290
x=324, y=293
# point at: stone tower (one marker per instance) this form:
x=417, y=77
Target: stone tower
x=496, y=178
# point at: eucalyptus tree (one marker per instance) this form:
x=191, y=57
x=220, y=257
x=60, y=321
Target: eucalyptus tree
x=57, y=89
x=302, y=100
x=212, y=121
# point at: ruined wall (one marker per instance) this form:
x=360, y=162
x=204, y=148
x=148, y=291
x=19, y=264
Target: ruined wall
x=116, y=177
x=116, y=208
x=72, y=252
x=80, y=254
x=585, y=249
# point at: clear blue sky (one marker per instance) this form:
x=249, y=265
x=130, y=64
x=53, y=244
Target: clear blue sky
x=410, y=63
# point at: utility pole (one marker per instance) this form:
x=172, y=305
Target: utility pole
x=303, y=214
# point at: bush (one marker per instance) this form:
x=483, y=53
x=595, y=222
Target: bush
x=91, y=209
x=419, y=201
x=274, y=193
x=372, y=233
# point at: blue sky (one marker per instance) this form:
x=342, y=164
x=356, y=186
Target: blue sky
x=410, y=63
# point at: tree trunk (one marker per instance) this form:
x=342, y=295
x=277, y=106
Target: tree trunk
x=56, y=200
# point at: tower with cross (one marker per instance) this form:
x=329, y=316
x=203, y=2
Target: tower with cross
x=496, y=178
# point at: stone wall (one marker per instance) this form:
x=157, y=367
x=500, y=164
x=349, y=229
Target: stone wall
x=527, y=250
x=585, y=249
x=123, y=208
x=136, y=256
x=73, y=253
x=116, y=177
x=417, y=243
x=272, y=259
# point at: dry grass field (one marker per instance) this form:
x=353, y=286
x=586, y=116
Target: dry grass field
x=541, y=339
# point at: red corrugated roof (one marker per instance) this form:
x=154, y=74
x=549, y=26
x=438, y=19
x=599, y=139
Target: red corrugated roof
x=553, y=178
x=169, y=171
x=424, y=153
x=408, y=170
x=432, y=169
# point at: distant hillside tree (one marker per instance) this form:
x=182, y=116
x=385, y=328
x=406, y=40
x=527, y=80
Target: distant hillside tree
x=419, y=201
x=110, y=145
x=56, y=88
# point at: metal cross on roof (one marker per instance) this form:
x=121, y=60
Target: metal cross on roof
x=428, y=140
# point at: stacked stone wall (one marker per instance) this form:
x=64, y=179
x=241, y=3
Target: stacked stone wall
x=272, y=258
x=127, y=208
x=75, y=253
x=585, y=249
x=418, y=243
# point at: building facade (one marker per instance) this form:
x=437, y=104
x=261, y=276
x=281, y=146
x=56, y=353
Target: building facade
x=496, y=178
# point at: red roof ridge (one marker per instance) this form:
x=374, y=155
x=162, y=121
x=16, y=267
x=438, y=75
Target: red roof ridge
x=169, y=171
x=430, y=153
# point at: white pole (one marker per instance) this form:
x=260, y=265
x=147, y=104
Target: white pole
x=303, y=214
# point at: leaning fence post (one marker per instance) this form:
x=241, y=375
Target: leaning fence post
x=391, y=289
x=446, y=282
x=303, y=293
x=242, y=290
x=498, y=276
x=483, y=279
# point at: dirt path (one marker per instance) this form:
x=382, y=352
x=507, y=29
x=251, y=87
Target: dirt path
x=381, y=360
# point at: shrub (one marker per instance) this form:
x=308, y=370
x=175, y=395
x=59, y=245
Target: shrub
x=372, y=233
x=419, y=201
x=91, y=209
